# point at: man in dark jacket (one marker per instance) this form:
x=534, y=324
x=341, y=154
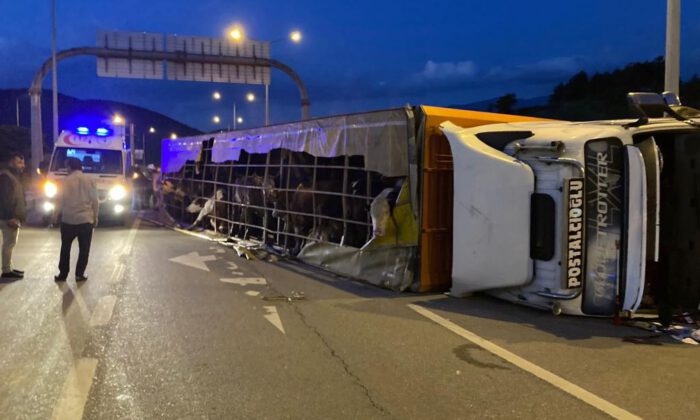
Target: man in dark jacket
x=12, y=210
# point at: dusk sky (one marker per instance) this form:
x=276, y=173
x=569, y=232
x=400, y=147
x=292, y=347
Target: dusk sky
x=355, y=55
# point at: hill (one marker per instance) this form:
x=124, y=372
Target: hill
x=598, y=96
x=73, y=110
x=604, y=95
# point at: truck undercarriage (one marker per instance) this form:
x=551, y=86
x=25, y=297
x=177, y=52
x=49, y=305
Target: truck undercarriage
x=672, y=281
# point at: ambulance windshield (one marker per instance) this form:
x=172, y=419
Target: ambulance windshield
x=95, y=161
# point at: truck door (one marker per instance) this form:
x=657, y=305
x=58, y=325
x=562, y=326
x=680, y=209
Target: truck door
x=491, y=225
x=652, y=167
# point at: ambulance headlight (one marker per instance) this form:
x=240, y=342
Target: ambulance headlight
x=118, y=209
x=50, y=189
x=117, y=192
x=48, y=207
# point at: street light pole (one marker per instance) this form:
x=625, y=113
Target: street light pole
x=54, y=76
x=132, y=143
x=267, y=104
x=673, y=45
x=234, y=115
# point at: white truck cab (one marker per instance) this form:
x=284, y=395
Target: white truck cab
x=580, y=218
x=104, y=156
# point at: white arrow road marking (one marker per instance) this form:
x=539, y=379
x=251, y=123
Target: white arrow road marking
x=244, y=281
x=75, y=390
x=233, y=267
x=103, y=311
x=194, y=260
x=547, y=376
x=252, y=293
x=274, y=318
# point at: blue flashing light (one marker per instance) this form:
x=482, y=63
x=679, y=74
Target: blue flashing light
x=83, y=131
x=102, y=132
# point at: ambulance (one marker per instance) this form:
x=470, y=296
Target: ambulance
x=105, y=157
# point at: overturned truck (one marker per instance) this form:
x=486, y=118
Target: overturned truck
x=556, y=215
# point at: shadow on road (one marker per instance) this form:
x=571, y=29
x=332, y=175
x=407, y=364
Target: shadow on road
x=566, y=327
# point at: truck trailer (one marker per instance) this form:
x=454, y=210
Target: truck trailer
x=577, y=218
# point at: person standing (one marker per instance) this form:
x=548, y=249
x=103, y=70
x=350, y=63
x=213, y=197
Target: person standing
x=12, y=211
x=156, y=185
x=79, y=207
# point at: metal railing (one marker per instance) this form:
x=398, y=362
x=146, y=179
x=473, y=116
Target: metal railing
x=282, y=198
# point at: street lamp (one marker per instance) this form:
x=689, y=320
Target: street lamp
x=173, y=136
x=118, y=119
x=236, y=33
x=250, y=97
x=152, y=130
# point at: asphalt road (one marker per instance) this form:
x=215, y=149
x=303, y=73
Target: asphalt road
x=156, y=333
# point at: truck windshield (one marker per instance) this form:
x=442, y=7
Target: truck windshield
x=95, y=161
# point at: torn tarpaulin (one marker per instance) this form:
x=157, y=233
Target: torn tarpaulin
x=345, y=135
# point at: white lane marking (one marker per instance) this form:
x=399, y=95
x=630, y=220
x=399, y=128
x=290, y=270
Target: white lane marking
x=274, y=317
x=252, y=293
x=75, y=390
x=128, y=245
x=117, y=274
x=547, y=376
x=220, y=251
x=245, y=281
x=103, y=311
x=194, y=260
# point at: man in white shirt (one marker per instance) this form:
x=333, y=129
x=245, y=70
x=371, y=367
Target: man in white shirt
x=79, y=207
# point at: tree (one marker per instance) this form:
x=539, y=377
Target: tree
x=506, y=103
x=15, y=139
